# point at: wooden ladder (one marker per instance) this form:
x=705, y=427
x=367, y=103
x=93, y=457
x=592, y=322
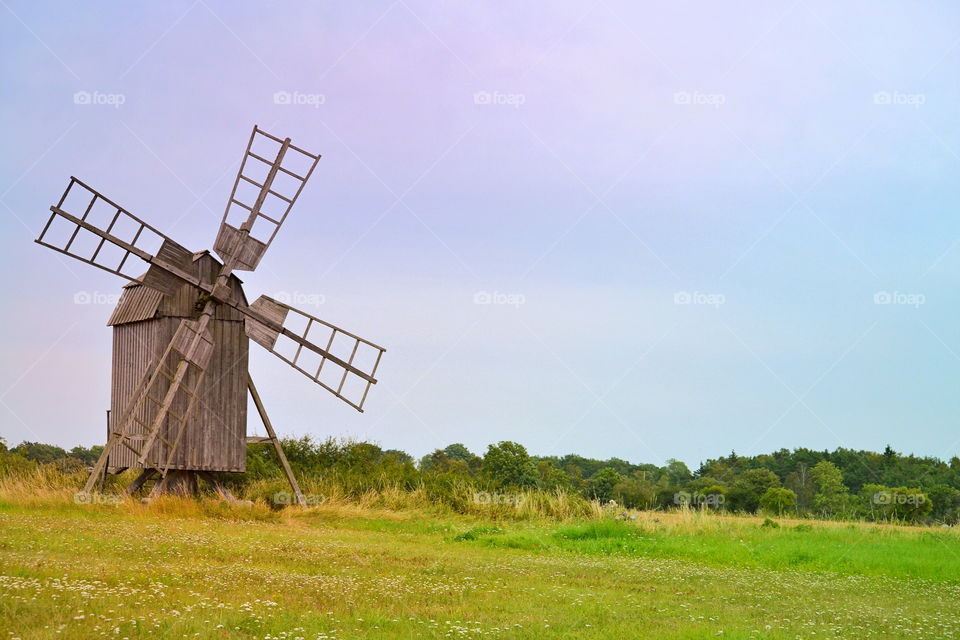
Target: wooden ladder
x=146, y=392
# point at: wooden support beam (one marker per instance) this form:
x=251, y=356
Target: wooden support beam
x=276, y=443
x=141, y=480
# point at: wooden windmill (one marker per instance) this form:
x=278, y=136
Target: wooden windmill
x=181, y=328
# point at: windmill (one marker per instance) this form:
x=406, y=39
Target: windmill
x=181, y=328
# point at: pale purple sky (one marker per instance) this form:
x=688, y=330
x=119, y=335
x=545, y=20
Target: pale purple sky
x=776, y=165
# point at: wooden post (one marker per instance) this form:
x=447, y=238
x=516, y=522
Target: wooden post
x=276, y=443
x=100, y=467
x=102, y=478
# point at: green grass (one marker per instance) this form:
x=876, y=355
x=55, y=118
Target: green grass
x=864, y=550
x=180, y=569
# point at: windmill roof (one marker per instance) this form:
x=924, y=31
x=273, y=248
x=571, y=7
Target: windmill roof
x=139, y=302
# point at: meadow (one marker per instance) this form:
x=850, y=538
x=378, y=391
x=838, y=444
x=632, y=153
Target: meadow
x=182, y=568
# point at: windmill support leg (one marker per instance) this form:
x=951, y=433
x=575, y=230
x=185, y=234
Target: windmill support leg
x=276, y=443
x=176, y=482
x=100, y=468
x=217, y=486
x=141, y=480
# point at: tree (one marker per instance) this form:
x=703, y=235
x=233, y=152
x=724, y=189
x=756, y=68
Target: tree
x=39, y=452
x=636, y=491
x=777, y=500
x=801, y=483
x=713, y=496
x=601, y=484
x=87, y=456
x=438, y=461
x=457, y=451
x=550, y=477
x=832, y=496
x=677, y=472
x=896, y=503
x=719, y=470
x=509, y=465
x=750, y=486
x=946, y=504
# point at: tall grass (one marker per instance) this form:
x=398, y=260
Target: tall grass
x=45, y=485
x=447, y=498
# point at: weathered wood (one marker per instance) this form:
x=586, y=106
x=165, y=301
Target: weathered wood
x=235, y=245
x=167, y=417
x=113, y=438
x=214, y=438
x=177, y=482
x=142, y=479
x=276, y=443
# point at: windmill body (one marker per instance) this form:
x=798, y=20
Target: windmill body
x=182, y=328
x=143, y=323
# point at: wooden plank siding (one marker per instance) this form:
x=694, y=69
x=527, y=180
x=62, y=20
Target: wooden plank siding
x=215, y=438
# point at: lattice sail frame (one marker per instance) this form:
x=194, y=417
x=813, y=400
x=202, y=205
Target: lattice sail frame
x=348, y=376
x=125, y=233
x=269, y=206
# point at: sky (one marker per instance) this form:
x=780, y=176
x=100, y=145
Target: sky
x=645, y=230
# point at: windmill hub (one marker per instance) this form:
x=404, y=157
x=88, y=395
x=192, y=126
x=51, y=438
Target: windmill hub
x=182, y=328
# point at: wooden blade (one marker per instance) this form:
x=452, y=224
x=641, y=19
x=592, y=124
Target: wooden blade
x=90, y=227
x=271, y=177
x=346, y=365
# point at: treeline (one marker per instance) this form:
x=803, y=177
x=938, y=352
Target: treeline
x=842, y=484
x=839, y=484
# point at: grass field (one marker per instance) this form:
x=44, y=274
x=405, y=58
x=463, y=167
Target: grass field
x=186, y=570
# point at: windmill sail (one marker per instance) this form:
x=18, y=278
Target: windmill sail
x=90, y=227
x=346, y=364
x=271, y=177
